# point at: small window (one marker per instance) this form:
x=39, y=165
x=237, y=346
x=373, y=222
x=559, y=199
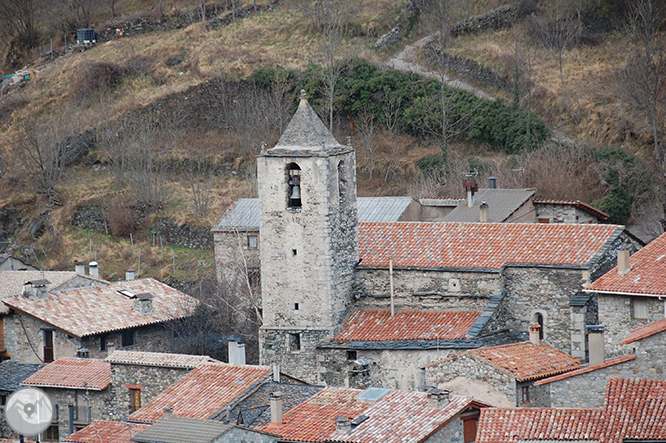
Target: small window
x=543, y=220
x=52, y=433
x=538, y=317
x=294, y=252
x=526, y=394
x=294, y=342
x=640, y=308
x=252, y=241
x=254, y=277
x=352, y=355
x=102, y=342
x=135, y=399
x=48, y=346
x=297, y=307
x=128, y=338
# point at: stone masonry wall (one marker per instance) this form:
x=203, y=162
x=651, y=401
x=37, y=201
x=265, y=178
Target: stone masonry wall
x=154, y=380
x=24, y=339
x=151, y=338
x=588, y=390
x=452, y=432
x=275, y=346
x=564, y=214
x=62, y=398
x=616, y=313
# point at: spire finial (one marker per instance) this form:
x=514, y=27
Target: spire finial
x=304, y=95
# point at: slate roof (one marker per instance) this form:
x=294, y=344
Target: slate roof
x=162, y=359
x=378, y=325
x=11, y=282
x=398, y=416
x=245, y=214
x=586, y=369
x=482, y=246
x=502, y=203
x=182, y=430
x=634, y=409
x=73, y=373
x=305, y=134
x=12, y=373
x=255, y=409
x=524, y=361
x=95, y=310
x=576, y=204
x=203, y=392
x=645, y=331
x=107, y=431
x=646, y=277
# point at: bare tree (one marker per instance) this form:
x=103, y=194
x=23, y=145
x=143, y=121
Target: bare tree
x=19, y=18
x=391, y=105
x=200, y=9
x=331, y=24
x=643, y=79
x=557, y=29
x=366, y=126
x=199, y=175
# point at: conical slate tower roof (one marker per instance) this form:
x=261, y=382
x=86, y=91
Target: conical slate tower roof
x=306, y=133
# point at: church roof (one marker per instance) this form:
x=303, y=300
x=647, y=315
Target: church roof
x=305, y=134
x=485, y=246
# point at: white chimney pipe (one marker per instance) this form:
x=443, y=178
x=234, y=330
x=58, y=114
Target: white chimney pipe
x=597, y=346
x=130, y=274
x=93, y=269
x=276, y=407
x=484, y=213
x=623, y=262
x=80, y=267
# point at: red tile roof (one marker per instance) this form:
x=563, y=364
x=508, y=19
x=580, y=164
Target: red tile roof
x=203, y=391
x=407, y=325
x=525, y=361
x=95, y=310
x=647, y=275
x=634, y=409
x=576, y=204
x=509, y=425
x=481, y=245
x=76, y=373
x=106, y=431
x=645, y=331
x=398, y=416
x=586, y=369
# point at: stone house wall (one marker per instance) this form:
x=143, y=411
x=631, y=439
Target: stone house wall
x=62, y=398
x=564, y=214
x=154, y=379
x=233, y=254
x=276, y=345
x=241, y=435
x=616, y=312
x=588, y=390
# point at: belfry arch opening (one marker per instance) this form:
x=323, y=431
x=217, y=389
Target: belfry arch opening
x=293, y=186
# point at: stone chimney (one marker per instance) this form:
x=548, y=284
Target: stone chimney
x=342, y=424
x=492, y=182
x=110, y=347
x=143, y=303
x=83, y=353
x=276, y=407
x=236, y=352
x=130, y=274
x=438, y=398
x=484, y=213
x=93, y=268
x=534, y=334
x=80, y=267
x=168, y=412
x=36, y=289
x=597, y=346
x=623, y=262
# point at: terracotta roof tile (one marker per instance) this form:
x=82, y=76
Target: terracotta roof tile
x=77, y=373
x=586, y=369
x=647, y=275
x=482, y=245
x=634, y=409
x=527, y=362
x=398, y=416
x=645, y=331
x=407, y=325
x=504, y=425
x=95, y=310
x=163, y=359
x=106, y=431
x=203, y=391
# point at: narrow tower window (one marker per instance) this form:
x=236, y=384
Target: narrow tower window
x=294, y=188
x=342, y=182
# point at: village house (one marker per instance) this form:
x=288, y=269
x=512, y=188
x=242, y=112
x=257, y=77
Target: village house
x=633, y=411
x=632, y=294
x=79, y=391
x=377, y=415
x=10, y=263
x=505, y=375
x=47, y=325
x=328, y=279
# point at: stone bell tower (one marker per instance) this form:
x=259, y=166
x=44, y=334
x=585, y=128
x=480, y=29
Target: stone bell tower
x=309, y=241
